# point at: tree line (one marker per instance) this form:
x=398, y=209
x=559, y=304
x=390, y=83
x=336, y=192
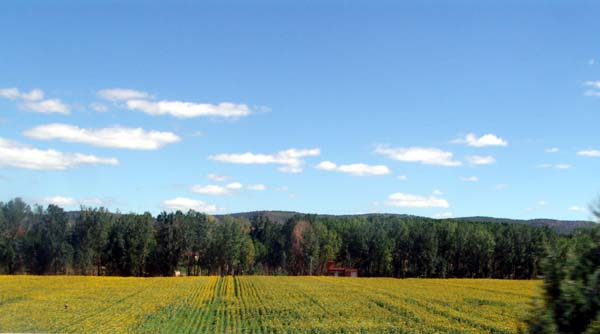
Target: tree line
x=95, y=241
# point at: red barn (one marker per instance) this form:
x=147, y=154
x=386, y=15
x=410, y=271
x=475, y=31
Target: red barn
x=332, y=270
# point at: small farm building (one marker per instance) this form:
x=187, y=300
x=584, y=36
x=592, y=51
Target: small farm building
x=332, y=270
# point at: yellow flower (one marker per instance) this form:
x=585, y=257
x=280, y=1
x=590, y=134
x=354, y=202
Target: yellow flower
x=261, y=304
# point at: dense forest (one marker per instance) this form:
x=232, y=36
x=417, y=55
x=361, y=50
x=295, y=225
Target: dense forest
x=95, y=241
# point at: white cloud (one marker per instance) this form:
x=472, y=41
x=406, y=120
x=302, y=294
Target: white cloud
x=593, y=91
x=117, y=137
x=576, y=208
x=486, y=140
x=480, y=160
x=326, y=165
x=142, y=101
x=589, y=153
x=33, y=95
x=542, y=203
x=354, y=169
x=291, y=159
x=34, y=101
x=257, y=187
x=470, y=179
x=98, y=107
x=9, y=93
x=218, y=177
x=363, y=169
x=234, y=186
x=181, y=109
x=225, y=190
x=593, y=84
x=501, y=186
x=210, y=189
x=415, y=201
x=424, y=155
x=402, y=177
x=47, y=106
x=186, y=204
x=556, y=166
x=59, y=200
x=14, y=154
x=70, y=202
x=120, y=94
x=443, y=215
x=437, y=192
x=552, y=150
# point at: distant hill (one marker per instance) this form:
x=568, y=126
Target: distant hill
x=280, y=217
x=560, y=226
x=274, y=216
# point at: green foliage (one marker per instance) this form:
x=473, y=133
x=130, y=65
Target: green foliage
x=47, y=246
x=16, y=220
x=169, y=231
x=129, y=242
x=247, y=255
x=96, y=241
x=572, y=287
x=89, y=239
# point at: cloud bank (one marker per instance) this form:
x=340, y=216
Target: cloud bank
x=290, y=160
x=144, y=102
x=14, y=154
x=402, y=200
x=185, y=204
x=486, y=140
x=357, y=169
x=116, y=137
x=34, y=101
x=424, y=155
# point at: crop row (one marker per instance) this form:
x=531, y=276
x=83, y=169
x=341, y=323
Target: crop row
x=261, y=304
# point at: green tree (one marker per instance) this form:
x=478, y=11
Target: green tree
x=129, y=242
x=139, y=241
x=4, y=254
x=571, y=301
x=199, y=229
x=247, y=255
x=170, y=243
x=49, y=250
x=380, y=252
x=17, y=217
x=90, y=234
x=226, y=246
x=269, y=242
x=52, y=241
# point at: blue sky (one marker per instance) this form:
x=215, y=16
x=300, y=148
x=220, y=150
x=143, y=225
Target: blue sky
x=433, y=109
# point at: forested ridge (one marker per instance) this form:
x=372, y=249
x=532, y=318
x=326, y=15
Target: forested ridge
x=560, y=226
x=95, y=241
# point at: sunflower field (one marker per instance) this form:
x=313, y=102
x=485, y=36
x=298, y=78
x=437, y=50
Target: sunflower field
x=262, y=304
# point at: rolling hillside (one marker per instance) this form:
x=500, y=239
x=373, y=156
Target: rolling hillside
x=560, y=226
